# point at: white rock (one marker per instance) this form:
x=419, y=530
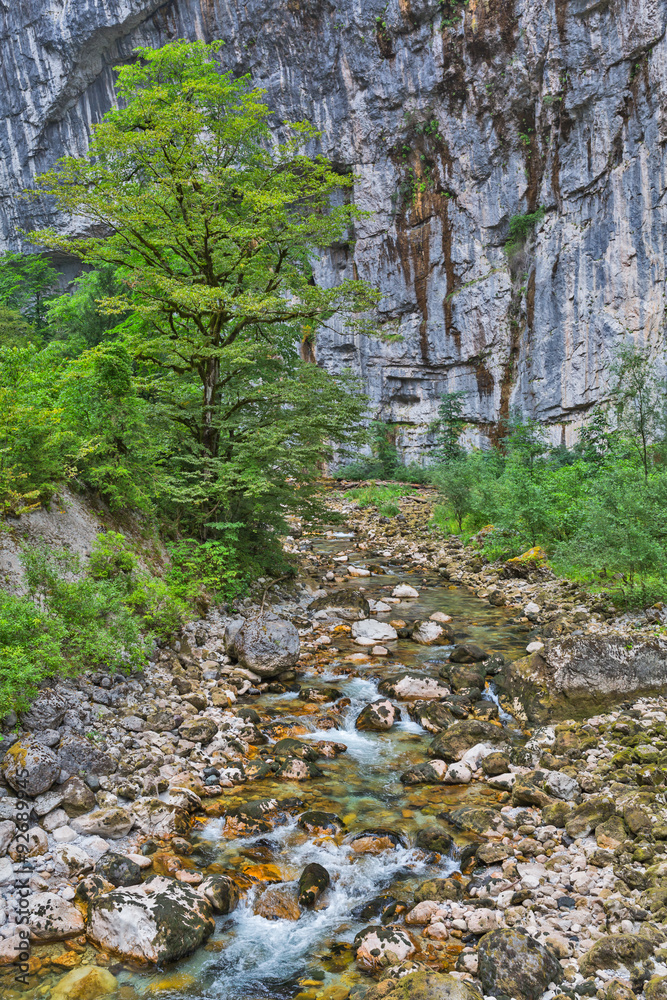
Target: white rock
x=437, y=931
x=404, y=590
x=429, y=633
x=535, y=647
x=380, y=607
x=562, y=786
x=373, y=632
x=422, y=912
x=531, y=609
x=439, y=616
x=36, y=843
x=6, y=871
x=503, y=782
x=483, y=920
x=7, y=831
x=458, y=774
x=54, y=819
x=379, y=651
x=53, y=918
x=358, y=571
x=71, y=860
x=64, y=835
x=476, y=754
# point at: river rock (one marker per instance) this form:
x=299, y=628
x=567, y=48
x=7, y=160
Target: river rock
x=476, y=819
x=30, y=767
x=198, y=730
x=30, y=844
x=379, y=716
x=376, y=841
x=161, y=819
x=614, y=950
x=351, y=605
x=314, y=879
x=72, y=861
x=435, y=838
x=369, y=632
x=424, y=985
x=404, y=590
x=159, y=921
x=412, y=686
x=376, y=943
x=278, y=902
x=76, y=797
x=432, y=715
x=118, y=869
x=221, y=892
x=513, y=963
x=268, y=645
x=88, y=982
x=454, y=742
x=7, y=832
x=428, y=633
x=430, y=772
x=321, y=823
x=78, y=755
x=589, y=815
x=52, y=918
x=468, y=652
x=113, y=823
x=46, y=712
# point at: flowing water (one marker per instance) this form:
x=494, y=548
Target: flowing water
x=250, y=957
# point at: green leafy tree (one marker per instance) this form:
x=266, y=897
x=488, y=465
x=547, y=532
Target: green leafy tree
x=76, y=316
x=456, y=480
x=639, y=399
x=27, y=282
x=215, y=228
x=449, y=426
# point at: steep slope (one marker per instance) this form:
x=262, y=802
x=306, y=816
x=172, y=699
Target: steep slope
x=456, y=116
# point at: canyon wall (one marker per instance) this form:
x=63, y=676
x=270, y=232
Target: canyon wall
x=455, y=117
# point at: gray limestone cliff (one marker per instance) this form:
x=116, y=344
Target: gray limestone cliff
x=455, y=116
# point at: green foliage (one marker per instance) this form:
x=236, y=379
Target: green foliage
x=111, y=557
x=383, y=497
x=76, y=318
x=26, y=283
x=639, y=399
x=384, y=462
x=520, y=228
x=448, y=427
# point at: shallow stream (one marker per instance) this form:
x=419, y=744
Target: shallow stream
x=250, y=957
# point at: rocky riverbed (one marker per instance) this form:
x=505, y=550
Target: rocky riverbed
x=406, y=774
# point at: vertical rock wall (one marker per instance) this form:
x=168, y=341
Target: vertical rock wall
x=455, y=116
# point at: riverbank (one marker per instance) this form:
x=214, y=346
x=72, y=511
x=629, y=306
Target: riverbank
x=190, y=801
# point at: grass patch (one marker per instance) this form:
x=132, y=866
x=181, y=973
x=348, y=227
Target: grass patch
x=382, y=497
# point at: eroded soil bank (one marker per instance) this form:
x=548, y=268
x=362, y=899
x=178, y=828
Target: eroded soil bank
x=359, y=814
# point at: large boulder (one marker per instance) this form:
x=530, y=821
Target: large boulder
x=30, y=767
x=46, y=712
x=52, y=918
x=159, y=921
x=453, y=743
x=267, y=645
x=79, y=756
x=76, y=797
x=368, y=632
x=581, y=674
x=378, y=716
x=514, y=963
x=432, y=715
x=351, y=605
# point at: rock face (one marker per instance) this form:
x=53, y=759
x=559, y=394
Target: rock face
x=590, y=671
x=453, y=123
x=512, y=962
x=267, y=645
x=159, y=921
